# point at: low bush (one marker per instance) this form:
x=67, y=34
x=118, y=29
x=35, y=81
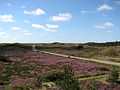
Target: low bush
x=114, y=75
x=4, y=59
x=110, y=51
x=64, y=80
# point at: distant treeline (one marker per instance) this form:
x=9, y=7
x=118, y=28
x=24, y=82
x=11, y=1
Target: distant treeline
x=14, y=46
x=57, y=45
x=117, y=43
x=78, y=45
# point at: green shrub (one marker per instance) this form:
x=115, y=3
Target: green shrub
x=69, y=82
x=114, y=75
x=64, y=80
x=39, y=81
x=110, y=51
x=4, y=59
x=93, y=85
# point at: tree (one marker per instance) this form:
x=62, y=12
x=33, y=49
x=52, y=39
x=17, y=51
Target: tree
x=93, y=85
x=64, y=80
x=69, y=82
x=114, y=75
x=38, y=82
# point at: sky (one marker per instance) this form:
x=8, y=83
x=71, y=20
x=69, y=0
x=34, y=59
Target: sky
x=68, y=21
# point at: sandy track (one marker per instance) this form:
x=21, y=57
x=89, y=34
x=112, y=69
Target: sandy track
x=85, y=59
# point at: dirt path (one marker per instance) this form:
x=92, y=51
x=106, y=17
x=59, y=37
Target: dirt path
x=93, y=77
x=85, y=59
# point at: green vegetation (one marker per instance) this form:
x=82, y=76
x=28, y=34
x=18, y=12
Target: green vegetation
x=16, y=68
x=110, y=51
x=114, y=75
x=64, y=80
x=93, y=85
x=69, y=82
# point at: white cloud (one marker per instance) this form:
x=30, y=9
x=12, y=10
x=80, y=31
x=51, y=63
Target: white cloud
x=37, y=12
x=2, y=33
x=6, y=18
x=19, y=30
x=52, y=30
x=38, y=26
x=106, y=25
x=16, y=28
x=62, y=17
x=104, y=7
x=47, y=27
x=52, y=26
x=109, y=24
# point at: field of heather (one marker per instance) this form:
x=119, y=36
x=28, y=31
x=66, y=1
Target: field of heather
x=79, y=66
x=21, y=68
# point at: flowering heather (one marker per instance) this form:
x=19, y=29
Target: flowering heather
x=79, y=66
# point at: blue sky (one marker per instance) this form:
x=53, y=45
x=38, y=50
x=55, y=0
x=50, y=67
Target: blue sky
x=36, y=21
